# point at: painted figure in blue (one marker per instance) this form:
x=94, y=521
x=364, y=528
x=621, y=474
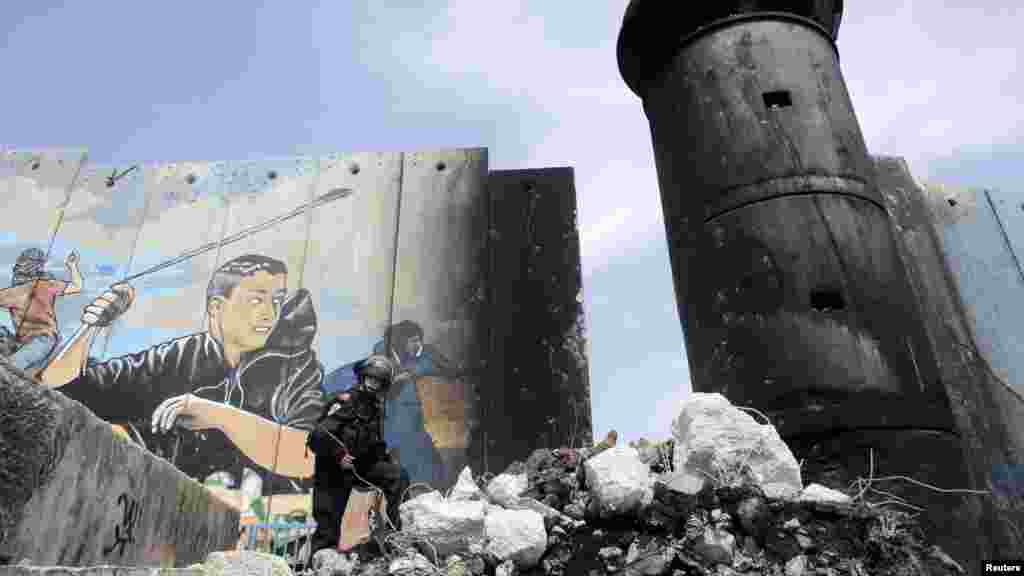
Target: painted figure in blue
x=404, y=425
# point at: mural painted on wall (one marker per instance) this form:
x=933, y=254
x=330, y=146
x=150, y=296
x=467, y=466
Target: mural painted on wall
x=206, y=309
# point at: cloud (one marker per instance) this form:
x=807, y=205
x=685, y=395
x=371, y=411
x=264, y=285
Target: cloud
x=927, y=80
x=953, y=81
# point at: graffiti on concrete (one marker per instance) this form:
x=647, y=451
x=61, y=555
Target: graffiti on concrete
x=31, y=300
x=124, y=531
x=429, y=413
x=208, y=316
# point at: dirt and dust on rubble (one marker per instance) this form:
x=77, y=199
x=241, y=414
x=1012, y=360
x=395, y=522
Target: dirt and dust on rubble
x=723, y=496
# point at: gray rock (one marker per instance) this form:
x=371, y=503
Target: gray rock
x=244, y=563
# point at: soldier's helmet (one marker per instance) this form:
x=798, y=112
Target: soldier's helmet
x=377, y=372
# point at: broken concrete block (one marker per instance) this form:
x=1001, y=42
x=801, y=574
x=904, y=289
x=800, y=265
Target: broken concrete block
x=819, y=493
x=450, y=525
x=465, y=487
x=413, y=565
x=619, y=481
x=506, y=488
x=683, y=482
x=714, y=439
x=516, y=535
x=244, y=562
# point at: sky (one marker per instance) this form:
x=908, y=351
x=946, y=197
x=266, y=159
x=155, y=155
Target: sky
x=534, y=82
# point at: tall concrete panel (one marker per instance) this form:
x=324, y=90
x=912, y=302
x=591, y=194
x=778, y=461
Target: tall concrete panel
x=988, y=414
x=984, y=243
x=787, y=271
x=439, y=276
x=537, y=369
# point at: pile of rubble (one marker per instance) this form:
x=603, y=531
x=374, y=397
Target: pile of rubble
x=723, y=497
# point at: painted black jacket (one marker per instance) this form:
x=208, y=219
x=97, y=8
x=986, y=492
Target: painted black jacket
x=280, y=382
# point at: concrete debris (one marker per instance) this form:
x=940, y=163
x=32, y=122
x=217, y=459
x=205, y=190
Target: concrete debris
x=414, y=565
x=450, y=525
x=507, y=568
x=620, y=484
x=516, y=535
x=683, y=482
x=506, y=488
x=332, y=563
x=819, y=493
x=577, y=512
x=717, y=441
x=465, y=488
x=244, y=563
x=797, y=566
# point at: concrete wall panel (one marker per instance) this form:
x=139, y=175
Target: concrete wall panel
x=77, y=494
x=984, y=243
x=537, y=374
x=439, y=275
x=987, y=413
x=351, y=258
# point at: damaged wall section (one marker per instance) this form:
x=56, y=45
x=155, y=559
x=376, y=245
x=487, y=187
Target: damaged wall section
x=74, y=493
x=536, y=352
x=938, y=240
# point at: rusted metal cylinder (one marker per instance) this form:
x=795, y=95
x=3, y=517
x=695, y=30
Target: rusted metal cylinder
x=789, y=283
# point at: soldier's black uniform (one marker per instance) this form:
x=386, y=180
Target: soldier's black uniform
x=350, y=423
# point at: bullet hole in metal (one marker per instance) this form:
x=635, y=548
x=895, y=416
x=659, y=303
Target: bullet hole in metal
x=827, y=299
x=354, y=169
x=440, y=166
x=272, y=175
x=951, y=201
x=777, y=99
x=190, y=179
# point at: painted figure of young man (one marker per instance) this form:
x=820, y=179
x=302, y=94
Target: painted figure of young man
x=31, y=300
x=350, y=448
x=250, y=385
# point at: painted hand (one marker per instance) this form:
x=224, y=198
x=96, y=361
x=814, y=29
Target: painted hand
x=109, y=306
x=187, y=411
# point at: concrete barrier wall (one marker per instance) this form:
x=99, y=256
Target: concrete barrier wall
x=74, y=493
x=258, y=285
x=946, y=270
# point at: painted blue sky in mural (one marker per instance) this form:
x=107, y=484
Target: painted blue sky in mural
x=541, y=89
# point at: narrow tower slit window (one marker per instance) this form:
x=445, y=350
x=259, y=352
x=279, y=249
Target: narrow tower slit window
x=777, y=99
x=827, y=299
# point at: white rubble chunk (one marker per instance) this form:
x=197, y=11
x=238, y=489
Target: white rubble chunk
x=329, y=562
x=465, y=488
x=712, y=435
x=244, y=562
x=619, y=481
x=516, y=535
x=414, y=565
x=819, y=493
x=450, y=525
x=506, y=488
x=683, y=482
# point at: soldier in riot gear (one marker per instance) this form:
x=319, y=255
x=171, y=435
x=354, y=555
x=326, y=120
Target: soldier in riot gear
x=349, y=448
